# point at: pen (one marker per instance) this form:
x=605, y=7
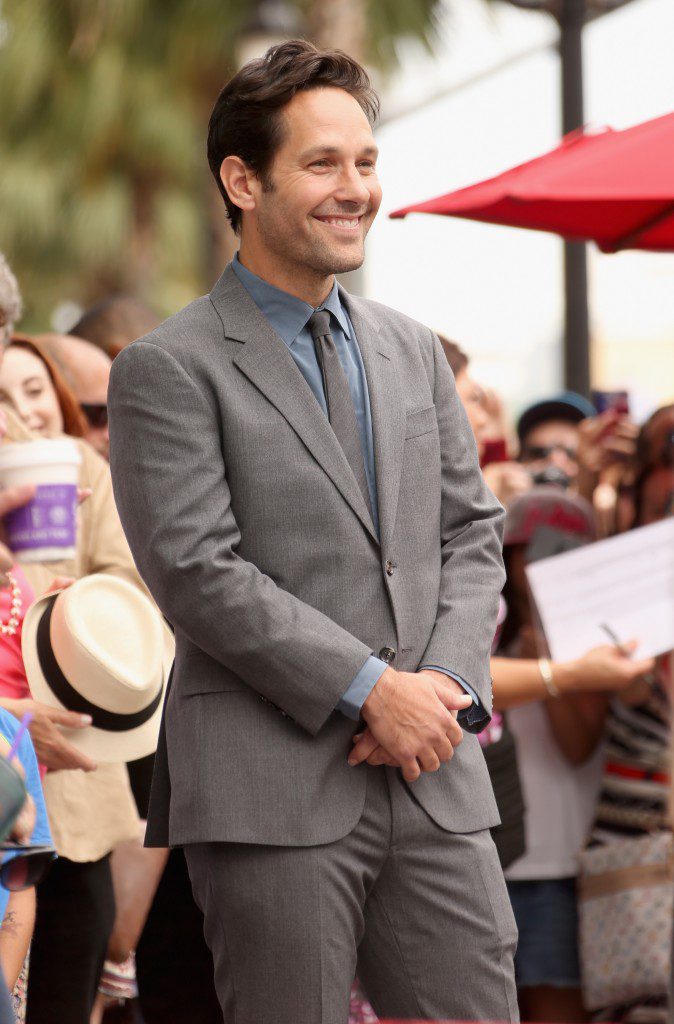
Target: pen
x=614, y=640
x=650, y=677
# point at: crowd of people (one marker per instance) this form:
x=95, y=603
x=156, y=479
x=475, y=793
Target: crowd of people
x=578, y=752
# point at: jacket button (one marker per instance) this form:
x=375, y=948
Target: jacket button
x=387, y=654
x=389, y=567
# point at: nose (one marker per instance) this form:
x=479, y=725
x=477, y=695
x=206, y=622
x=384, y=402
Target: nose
x=352, y=187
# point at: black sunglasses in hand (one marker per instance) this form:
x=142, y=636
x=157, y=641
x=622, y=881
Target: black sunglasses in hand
x=97, y=415
x=27, y=868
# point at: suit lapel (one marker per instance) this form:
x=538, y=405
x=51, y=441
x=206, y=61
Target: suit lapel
x=387, y=403
x=267, y=363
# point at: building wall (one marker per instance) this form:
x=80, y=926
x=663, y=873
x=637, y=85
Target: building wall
x=499, y=291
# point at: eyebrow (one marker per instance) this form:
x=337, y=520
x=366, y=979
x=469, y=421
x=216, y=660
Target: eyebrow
x=315, y=151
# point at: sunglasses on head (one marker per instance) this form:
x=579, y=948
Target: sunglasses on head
x=97, y=415
x=534, y=452
x=27, y=868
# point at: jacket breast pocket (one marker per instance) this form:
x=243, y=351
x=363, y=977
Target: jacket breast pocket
x=420, y=421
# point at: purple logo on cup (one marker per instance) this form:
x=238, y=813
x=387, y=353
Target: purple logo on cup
x=48, y=521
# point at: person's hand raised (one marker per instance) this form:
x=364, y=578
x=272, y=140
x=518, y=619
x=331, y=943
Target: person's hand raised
x=507, y=480
x=411, y=716
x=608, y=669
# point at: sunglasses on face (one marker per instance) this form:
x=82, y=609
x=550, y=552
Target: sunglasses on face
x=97, y=415
x=534, y=452
x=27, y=868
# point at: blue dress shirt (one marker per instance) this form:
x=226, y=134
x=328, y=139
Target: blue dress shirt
x=289, y=316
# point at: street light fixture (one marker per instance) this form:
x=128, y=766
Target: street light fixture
x=571, y=16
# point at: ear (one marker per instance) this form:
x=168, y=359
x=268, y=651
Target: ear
x=239, y=182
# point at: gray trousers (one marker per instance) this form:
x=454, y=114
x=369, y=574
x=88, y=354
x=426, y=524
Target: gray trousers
x=420, y=914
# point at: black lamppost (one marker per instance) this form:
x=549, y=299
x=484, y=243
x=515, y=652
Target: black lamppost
x=571, y=16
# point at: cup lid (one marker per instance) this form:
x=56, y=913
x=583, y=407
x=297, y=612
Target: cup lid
x=17, y=454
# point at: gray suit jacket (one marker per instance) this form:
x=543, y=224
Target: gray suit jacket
x=250, y=530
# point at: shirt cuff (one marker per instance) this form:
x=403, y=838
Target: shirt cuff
x=352, y=701
x=473, y=718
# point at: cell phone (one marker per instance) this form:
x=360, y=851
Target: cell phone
x=494, y=451
x=12, y=797
x=618, y=401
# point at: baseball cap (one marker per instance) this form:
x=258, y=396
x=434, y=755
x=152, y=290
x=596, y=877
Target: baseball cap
x=568, y=405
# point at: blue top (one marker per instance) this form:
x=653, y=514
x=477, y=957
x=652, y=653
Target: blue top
x=289, y=316
x=9, y=726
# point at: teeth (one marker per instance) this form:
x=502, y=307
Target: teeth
x=342, y=222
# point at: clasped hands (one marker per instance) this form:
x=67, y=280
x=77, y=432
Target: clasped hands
x=411, y=720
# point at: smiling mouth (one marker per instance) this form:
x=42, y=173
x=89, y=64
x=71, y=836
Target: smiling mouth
x=341, y=223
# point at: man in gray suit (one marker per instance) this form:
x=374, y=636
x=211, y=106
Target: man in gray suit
x=300, y=488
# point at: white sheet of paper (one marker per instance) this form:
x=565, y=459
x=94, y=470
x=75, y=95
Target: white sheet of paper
x=626, y=582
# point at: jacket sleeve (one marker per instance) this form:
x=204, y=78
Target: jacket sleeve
x=170, y=484
x=472, y=574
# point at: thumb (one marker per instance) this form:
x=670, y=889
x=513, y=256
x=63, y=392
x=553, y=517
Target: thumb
x=15, y=497
x=69, y=719
x=452, y=700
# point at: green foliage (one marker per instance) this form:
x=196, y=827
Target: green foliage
x=104, y=182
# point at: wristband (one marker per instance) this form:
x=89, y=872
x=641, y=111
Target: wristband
x=545, y=668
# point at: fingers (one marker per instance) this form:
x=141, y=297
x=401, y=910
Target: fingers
x=410, y=769
x=644, y=667
x=59, y=583
x=15, y=497
x=83, y=493
x=382, y=757
x=364, y=746
x=452, y=700
x=64, y=757
x=68, y=719
x=429, y=761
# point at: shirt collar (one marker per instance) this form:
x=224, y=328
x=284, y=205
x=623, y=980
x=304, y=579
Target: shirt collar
x=287, y=314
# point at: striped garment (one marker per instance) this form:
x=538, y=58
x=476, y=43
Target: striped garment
x=634, y=795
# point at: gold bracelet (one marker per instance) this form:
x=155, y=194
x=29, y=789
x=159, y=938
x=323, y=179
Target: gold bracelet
x=545, y=668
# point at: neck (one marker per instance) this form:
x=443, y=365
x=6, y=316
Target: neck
x=312, y=288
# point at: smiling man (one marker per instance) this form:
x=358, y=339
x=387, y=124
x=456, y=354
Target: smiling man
x=301, y=490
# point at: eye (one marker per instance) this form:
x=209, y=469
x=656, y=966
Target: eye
x=320, y=163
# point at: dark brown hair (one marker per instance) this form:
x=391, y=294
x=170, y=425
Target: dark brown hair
x=74, y=420
x=246, y=121
x=115, y=322
x=456, y=357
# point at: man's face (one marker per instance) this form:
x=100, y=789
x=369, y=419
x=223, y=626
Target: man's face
x=316, y=204
x=552, y=443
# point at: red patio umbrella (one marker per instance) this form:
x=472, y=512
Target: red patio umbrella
x=615, y=188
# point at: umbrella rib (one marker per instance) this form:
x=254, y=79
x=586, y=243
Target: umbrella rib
x=627, y=241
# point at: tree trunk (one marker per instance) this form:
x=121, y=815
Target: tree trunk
x=339, y=25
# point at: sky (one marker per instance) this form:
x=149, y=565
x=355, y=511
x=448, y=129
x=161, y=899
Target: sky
x=493, y=87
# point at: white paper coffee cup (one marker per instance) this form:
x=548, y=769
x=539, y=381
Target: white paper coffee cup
x=44, y=530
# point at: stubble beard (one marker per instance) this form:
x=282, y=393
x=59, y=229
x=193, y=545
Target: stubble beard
x=308, y=256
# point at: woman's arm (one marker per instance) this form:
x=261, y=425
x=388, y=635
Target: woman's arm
x=577, y=723
x=602, y=670
x=16, y=932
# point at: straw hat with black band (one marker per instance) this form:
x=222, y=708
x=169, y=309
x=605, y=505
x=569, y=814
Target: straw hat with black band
x=100, y=647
